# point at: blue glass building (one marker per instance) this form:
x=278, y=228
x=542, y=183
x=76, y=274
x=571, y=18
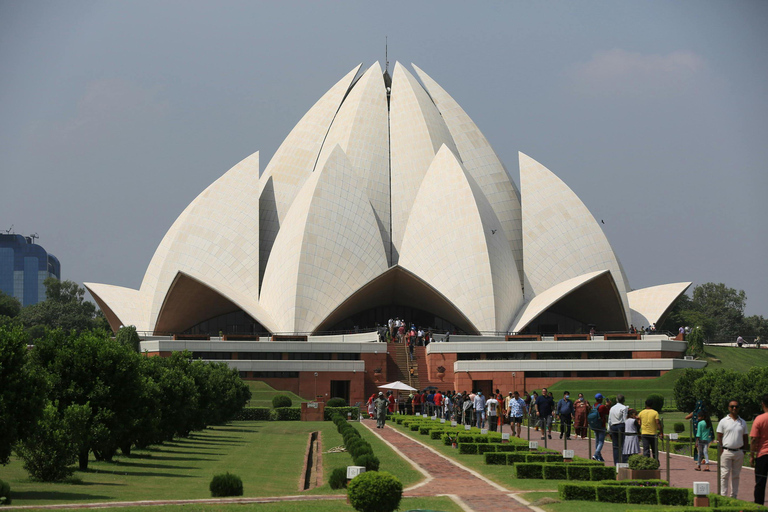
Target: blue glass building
x=24, y=266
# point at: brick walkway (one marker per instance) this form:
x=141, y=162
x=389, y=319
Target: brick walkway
x=446, y=477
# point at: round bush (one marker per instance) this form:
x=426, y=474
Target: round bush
x=226, y=485
x=336, y=402
x=375, y=492
x=338, y=478
x=281, y=401
x=642, y=462
x=369, y=460
x=5, y=493
x=679, y=427
x=658, y=402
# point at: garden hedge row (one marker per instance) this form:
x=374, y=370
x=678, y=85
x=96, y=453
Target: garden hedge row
x=268, y=414
x=330, y=412
x=360, y=450
x=562, y=471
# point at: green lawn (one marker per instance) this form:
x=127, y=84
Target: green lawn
x=262, y=394
x=431, y=503
x=268, y=456
x=734, y=358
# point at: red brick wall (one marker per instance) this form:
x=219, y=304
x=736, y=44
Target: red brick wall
x=445, y=360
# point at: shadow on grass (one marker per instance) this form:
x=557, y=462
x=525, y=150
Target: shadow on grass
x=234, y=429
x=129, y=465
x=136, y=473
x=149, y=456
x=57, y=495
x=192, y=441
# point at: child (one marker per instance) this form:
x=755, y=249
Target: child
x=703, y=438
x=631, y=441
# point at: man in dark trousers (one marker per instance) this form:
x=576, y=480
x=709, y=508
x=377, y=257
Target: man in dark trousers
x=758, y=456
x=544, y=407
x=565, y=413
x=381, y=405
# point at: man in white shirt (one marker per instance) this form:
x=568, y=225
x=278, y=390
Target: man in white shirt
x=479, y=403
x=616, y=418
x=733, y=436
x=490, y=408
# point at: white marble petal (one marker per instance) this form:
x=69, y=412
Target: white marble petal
x=294, y=161
x=480, y=161
x=121, y=306
x=330, y=246
x=650, y=304
x=361, y=128
x=417, y=131
x=450, y=243
x=561, y=239
x=216, y=236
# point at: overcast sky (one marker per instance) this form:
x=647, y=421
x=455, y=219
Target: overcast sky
x=115, y=115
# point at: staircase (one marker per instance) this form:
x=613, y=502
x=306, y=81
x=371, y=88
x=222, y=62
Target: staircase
x=401, y=369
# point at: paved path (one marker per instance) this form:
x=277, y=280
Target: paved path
x=681, y=468
x=444, y=476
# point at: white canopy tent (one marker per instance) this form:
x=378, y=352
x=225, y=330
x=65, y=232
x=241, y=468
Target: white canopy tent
x=397, y=385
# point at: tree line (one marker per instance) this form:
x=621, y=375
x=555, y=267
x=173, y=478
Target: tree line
x=68, y=393
x=715, y=388
x=718, y=312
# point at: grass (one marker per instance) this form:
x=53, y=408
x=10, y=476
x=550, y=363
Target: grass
x=268, y=456
x=431, y=503
x=262, y=394
x=734, y=358
x=592, y=506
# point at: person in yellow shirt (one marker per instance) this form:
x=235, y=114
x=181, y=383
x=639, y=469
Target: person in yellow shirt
x=650, y=428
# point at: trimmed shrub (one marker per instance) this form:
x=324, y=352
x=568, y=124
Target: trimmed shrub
x=466, y=438
x=611, y=493
x=425, y=429
x=288, y=414
x=597, y=473
x=375, y=492
x=414, y=427
x=642, y=495
x=467, y=448
x=578, y=472
x=369, y=460
x=338, y=478
x=329, y=412
x=679, y=427
x=555, y=472
x=335, y=402
x=516, y=457
x=543, y=458
x=496, y=459
x=436, y=433
x=226, y=485
x=5, y=493
x=494, y=439
x=529, y=471
x=254, y=414
x=447, y=439
x=672, y=496
x=579, y=492
x=642, y=462
x=506, y=448
x=636, y=483
x=281, y=401
x=486, y=448
x=481, y=439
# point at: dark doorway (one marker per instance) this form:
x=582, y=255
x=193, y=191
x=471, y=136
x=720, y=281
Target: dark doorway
x=486, y=386
x=340, y=389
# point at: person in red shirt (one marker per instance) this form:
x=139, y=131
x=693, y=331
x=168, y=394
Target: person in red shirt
x=758, y=453
x=391, y=400
x=416, y=402
x=439, y=404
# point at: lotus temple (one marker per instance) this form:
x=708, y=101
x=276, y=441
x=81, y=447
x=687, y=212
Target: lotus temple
x=384, y=201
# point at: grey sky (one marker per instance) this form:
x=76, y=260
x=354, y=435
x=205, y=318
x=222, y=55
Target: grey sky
x=115, y=115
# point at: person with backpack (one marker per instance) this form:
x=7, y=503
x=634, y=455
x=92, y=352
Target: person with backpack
x=596, y=420
x=704, y=435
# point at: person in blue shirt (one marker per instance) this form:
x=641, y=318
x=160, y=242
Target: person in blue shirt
x=565, y=413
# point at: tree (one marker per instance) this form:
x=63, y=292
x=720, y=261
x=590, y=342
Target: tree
x=683, y=389
x=22, y=390
x=9, y=305
x=756, y=325
x=722, y=304
x=92, y=368
x=696, y=342
x=64, y=308
x=129, y=337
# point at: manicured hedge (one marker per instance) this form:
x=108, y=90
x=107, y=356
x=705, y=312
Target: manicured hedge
x=578, y=472
x=486, y=448
x=496, y=459
x=329, y=412
x=598, y=473
x=543, y=457
x=579, y=492
x=555, y=472
x=611, y=493
x=527, y=471
x=673, y=496
x=468, y=448
x=642, y=495
x=288, y=414
x=636, y=483
x=515, y=457
x=255, y=414
x=414, y=427
x=506, y=448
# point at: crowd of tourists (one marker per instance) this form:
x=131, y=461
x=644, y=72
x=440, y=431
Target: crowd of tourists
x=631, y=431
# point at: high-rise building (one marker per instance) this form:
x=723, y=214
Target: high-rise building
x=24, y=267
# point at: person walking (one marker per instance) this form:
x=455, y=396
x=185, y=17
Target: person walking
x=704, y=435
x=758, y=453
x=565, y=413
x=581, y=409
x=533, y=411
x=733, y=438
x=597, y=420
x=491, y=412
x=517, y=410
x=544, y=410
x=616, y=422
x=381, y=404
x=479, y=404
x=650, y=428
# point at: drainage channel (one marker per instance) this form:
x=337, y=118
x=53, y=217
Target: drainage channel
x=312, y=475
